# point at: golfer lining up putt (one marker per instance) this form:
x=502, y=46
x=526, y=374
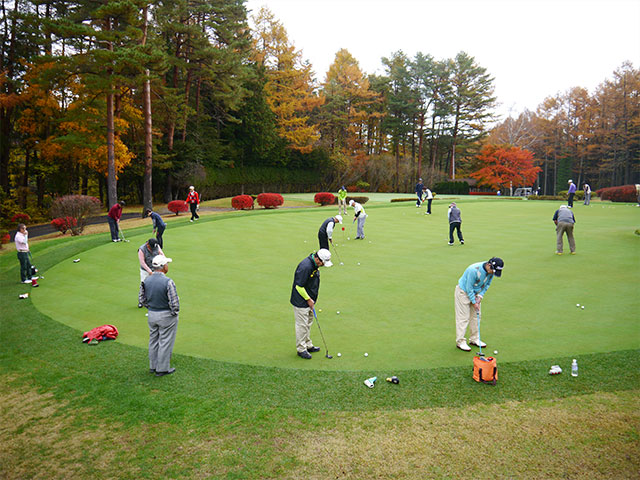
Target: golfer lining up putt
x=304, y=294
x=469, y=291
x=325, y=233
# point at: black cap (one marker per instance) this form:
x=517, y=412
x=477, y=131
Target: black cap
x=153, y=243
x=497, y=264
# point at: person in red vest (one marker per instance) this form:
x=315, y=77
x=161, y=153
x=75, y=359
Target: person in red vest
x=193, y=199
x=113, y=217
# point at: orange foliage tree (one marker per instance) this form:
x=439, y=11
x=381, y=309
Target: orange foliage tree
x=498, y=166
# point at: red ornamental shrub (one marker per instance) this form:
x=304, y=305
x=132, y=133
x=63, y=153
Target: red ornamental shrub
x=624, y=193
x=62, y=224
x=177, y=206
x=20, y=218
x=324, y=198
x=270, y=200
x=242, y=202
x=6, y=238
x=78, y=207
x=352, y=188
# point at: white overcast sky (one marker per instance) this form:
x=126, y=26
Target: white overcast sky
x=533, y=49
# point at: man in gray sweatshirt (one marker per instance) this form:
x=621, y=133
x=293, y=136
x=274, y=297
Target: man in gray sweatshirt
x=564, y=220
x=455, y=220
x=158, y=293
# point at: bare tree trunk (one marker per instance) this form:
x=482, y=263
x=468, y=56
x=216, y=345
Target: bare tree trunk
x=147, y=188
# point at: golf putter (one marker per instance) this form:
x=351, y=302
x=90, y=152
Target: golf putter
x=122, y=235
x=321, y=334
x=480, y=354
x=337, y=254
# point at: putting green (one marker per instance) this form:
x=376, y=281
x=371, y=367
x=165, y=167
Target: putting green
x=394, y=291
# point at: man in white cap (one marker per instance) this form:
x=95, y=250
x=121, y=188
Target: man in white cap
x=361, y=216
x=469, y=291
x=304, y=294
x=158, y=293
x=325, y=233
x=193, y=199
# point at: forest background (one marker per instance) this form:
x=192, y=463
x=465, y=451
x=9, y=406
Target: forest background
x=135, y=100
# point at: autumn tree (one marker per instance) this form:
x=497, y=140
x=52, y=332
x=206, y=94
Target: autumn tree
x=499, y=167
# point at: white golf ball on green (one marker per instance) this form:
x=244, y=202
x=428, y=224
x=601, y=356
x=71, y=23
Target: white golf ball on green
x=366, y=354
x=338, y=312
x=339, y=354
x=495, y=352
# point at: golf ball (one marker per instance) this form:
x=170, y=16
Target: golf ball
x=578, y=305
x=338, y=312
x=348, y=238
x=495, y=352
x=320, y=310
x=358, y=263
x=366, y=354
x=339, y=354
x=341, y=263
x=582, y=307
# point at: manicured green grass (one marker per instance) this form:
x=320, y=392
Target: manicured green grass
x=73, y=411
x=394, y=291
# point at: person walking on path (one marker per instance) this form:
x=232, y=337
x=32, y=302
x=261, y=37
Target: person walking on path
x=587, y=193
x=638, y=193
x=428, y=196
x=113, y=217
x=342, y=201
x=193, y=199
x=361, y=216
x=469, y=291
x=158, y=225
x=159, y=295
x=455, y=220
x=304, y=294
x=565, y=221
x=326, y=231
x=21, y=240
x=419, y=189
x=572, y=192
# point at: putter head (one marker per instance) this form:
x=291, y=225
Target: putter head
x=480, y=354
x=329, y=356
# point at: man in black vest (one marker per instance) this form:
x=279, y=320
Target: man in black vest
x=304, y=293
x=326, y=231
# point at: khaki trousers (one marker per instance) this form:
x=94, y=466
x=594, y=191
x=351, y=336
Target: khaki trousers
x=565, y=227
x=304, y=320
x=342, y=206
x=465, y=317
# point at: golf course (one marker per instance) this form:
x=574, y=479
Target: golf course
x=242, y=404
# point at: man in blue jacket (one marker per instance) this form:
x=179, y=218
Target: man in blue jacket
x=470, y=290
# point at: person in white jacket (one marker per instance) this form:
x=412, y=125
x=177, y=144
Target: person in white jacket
x=361, y=216
x=428, y=196
x=22, y=246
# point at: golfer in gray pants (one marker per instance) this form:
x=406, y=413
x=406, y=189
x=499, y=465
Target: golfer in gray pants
x=158, y=293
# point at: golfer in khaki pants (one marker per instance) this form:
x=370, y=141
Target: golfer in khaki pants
x=469, y=291
x=564, y=220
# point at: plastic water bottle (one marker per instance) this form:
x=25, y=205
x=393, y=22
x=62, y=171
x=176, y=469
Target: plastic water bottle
x=574, y=368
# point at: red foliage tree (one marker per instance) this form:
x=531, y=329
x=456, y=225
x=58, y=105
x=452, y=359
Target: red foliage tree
x=270, y=200
x=501, y=165
x=242, y=202
x=20, y=218
x=324, y=198
x=177, y=206
x=62, y=224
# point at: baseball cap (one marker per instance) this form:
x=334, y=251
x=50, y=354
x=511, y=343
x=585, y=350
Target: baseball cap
x=351, y=202
x=192, y=187
x=325, y=256
x=497, y=264
x=160, y=261
x=153, y=243
x=338, y=218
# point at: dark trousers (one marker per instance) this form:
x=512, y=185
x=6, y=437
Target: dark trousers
x=429, y=205
x=570, y=201
x=25, y=266
x=323, y=240
x=419, y=201
x=159, y=232
x=194, y=213
x=113, y=226
x=455, y=226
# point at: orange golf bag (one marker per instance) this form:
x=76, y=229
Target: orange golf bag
x=485, y=370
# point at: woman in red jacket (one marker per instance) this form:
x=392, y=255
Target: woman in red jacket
x=193, y=199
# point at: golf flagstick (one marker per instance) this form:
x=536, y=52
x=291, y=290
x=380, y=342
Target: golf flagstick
x=480, y=354
x=321, y=334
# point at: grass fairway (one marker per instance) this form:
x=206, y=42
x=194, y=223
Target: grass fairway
x=242, y=405
x=394, y=291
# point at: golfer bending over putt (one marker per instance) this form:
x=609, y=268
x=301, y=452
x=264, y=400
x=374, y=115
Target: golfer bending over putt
x=304, y=293
x=471, y=287
x=158, y=293
x=325, y=233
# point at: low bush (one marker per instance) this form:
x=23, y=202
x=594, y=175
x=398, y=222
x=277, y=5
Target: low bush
x=62, y=224
x=4, y=238
x=483, y=193
x=325, y=198
x=547, y=197
x=270, y=200
x=360, y=200
x=623, y=193
x=352, y=188
x=242, y=202
x=177, y=206
x=457, y=188
x=20, y=218
x=403, y=199
x=78, y=207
